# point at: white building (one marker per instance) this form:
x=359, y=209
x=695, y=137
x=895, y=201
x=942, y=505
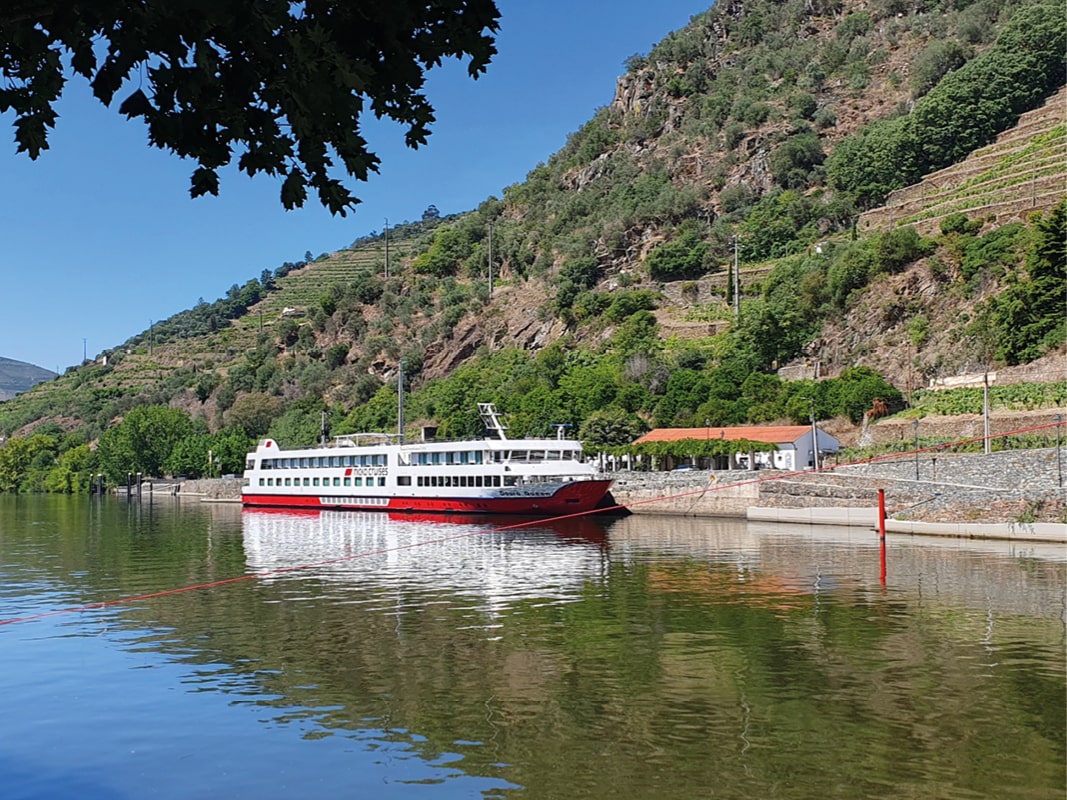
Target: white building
x=793, y=442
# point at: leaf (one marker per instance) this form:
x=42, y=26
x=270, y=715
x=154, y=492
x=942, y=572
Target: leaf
x=136, y=105
x=204, y=181
x=294, y=190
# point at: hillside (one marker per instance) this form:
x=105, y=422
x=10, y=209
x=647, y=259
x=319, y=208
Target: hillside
x=18, y=376
x=802, y=140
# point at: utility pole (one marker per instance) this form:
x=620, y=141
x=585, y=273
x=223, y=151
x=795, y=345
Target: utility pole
x=737, y=281
x=1059, y=449
x=985, y=412
x=387, y=247
x=915, y=423
x=151, y=336
x=400, y=402
x=814, y=436
x=85, y=353
x=490, y=259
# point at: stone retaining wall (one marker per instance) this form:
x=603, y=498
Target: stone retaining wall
x=213, y=488
x=1008, y=486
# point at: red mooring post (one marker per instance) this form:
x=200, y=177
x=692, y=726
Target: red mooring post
x=881, y=532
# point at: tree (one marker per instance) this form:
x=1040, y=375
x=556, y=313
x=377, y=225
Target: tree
x=21, y=456
x=143, y=441
x=1029, y=315
x=281, y=86
x=254, y=413
x=611, y=427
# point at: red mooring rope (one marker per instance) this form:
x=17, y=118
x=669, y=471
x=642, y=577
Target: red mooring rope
x=526, y=523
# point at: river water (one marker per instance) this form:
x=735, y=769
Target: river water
x=344, y=654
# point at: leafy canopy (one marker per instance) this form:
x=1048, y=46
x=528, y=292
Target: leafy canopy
x=283, y=84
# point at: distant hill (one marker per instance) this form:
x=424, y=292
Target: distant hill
x=18, y=376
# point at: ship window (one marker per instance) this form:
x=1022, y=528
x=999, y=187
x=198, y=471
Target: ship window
x=260, y=481
x=478, y=481
x=336, y=481
x=335, y=461
x=403, y=480
x=359, y=481
x=270, y=481
x=537, y=455
x=496, y=480
x=307, y=481
x=288, y=481
x=348, y=481
x=314, y=481
x=436, y=458
x=381, y=481
x=267, y=463
x=250, y=464
x=509, y=480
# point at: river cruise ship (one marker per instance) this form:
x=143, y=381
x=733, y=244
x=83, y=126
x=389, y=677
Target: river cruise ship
x=494, y=475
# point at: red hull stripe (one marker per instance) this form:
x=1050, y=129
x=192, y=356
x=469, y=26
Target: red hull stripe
x=571, y=499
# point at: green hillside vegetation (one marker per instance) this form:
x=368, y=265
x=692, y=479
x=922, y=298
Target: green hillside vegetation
x=731, y=127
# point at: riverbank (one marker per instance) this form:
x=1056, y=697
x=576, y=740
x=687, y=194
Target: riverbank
x=1008, y=494
x=1013, y=494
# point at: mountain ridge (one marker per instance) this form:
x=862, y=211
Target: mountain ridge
x=20, y=376
x=707, y=139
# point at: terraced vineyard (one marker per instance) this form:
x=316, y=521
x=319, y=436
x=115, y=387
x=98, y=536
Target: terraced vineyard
x=145, y=367
x=303, y=288
x=1024, y=170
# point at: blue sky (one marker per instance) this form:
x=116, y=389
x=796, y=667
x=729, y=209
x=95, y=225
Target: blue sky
x=99, y=236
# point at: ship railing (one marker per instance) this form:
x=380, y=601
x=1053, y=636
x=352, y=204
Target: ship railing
x=365, y=439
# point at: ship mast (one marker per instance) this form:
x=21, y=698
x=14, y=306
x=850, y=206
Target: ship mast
x=487, y=411
x=400, y=403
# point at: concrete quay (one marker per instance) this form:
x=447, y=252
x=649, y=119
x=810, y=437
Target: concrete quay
x=1016, y=494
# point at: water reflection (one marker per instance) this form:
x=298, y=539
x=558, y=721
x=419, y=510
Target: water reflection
x=494, y=560
x=635, y=658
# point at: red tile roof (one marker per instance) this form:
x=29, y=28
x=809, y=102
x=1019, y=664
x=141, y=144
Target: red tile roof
x=776, y=434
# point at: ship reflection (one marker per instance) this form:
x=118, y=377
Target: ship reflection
x=498, y=560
